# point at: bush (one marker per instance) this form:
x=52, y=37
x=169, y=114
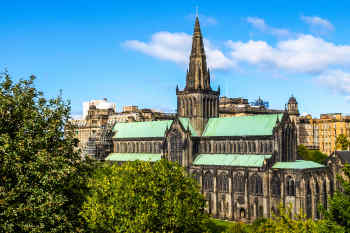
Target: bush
x=144, y=197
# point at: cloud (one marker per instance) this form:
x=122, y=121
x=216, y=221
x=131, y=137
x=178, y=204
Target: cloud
x=260, y=24
x=305, y=54
x=336, y=80
x=317, y=22
x=164, y=45
x=176, y=47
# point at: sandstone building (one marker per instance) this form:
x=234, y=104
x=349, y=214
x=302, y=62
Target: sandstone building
x=321, y=133
x=245, y=165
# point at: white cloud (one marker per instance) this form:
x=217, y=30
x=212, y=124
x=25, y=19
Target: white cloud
x=336, y=80
x=316, y=21
x=176, y=47
x=260, y=24
x=164, y=45
x=305, y=54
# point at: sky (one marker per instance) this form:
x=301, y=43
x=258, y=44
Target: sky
x=136, y=52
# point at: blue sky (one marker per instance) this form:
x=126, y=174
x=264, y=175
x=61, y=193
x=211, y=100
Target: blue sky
x=137, y=52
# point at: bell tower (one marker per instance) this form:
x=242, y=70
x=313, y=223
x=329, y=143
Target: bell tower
x=198, y=101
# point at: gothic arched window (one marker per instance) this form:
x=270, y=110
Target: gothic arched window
x=317, y=199
x=256, y=184
x=325, y=194
x=308, y=200
x=276, y=186
x=253, y=147
x=249, y=147
x=117, y=147
x=238, y=183
x=176, y=147
x=208, y=182
x=223, y=182
x=290, y=186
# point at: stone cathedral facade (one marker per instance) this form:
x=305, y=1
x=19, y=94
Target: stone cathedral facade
x=245, y=165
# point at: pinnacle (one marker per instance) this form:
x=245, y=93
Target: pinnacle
x=197, y=27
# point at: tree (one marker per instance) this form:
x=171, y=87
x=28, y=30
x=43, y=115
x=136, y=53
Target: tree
x=144, y=197
x=342, y=142
x=42, y=177
x=339, y=205
x=299, y=223
x=313, y=155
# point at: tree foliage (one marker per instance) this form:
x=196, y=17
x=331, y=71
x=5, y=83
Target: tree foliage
x=313, y=155
x=342, y=142
x=339, y=209
x=41, y=176
x=144, y=197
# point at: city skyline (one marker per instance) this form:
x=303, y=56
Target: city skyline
x=136, y=55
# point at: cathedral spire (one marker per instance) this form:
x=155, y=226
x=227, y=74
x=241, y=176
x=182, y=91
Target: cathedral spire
x=198, y=76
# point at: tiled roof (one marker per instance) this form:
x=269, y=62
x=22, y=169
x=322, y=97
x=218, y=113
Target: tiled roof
x=242, y=125
x=235, y=160
x=133, y=156
x=185, y=123
x=298, y=164
x=146, y=129
x=344, y=155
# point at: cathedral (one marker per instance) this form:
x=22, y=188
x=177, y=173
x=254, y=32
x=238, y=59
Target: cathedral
x=245, y=165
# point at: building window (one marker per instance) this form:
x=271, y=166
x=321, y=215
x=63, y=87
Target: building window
x=290, y=186
x=176, y=147
x=276, y=186
x=325, y=194
x=208, y=182
x=223, y=182
x=256, y=184
x=239, y=183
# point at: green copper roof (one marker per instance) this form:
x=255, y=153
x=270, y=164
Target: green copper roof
x=236, y=160
x=133, y=156
x=242, y=125
x=146, y=129
x=185, y=123
x=298, y=164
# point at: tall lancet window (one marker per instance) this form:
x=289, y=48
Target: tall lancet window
x=176, y=147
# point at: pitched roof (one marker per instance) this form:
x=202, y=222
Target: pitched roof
x=242, y=125
x=235, y=160
x=344, y=155
x=298, y=164
x=146, y=129
x=122, y=157
x=185, y=123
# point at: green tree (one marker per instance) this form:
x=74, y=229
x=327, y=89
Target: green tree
x=342, y=142
x=339, y=205
x=41, y=176
x=144, y=197
x=285, y=223
x=303, y=152
x=313, y=155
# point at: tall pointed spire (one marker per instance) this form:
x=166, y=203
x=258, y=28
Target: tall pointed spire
x=198, y=76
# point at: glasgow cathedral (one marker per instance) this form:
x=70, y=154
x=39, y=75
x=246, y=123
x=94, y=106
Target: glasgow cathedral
x=245, y=165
